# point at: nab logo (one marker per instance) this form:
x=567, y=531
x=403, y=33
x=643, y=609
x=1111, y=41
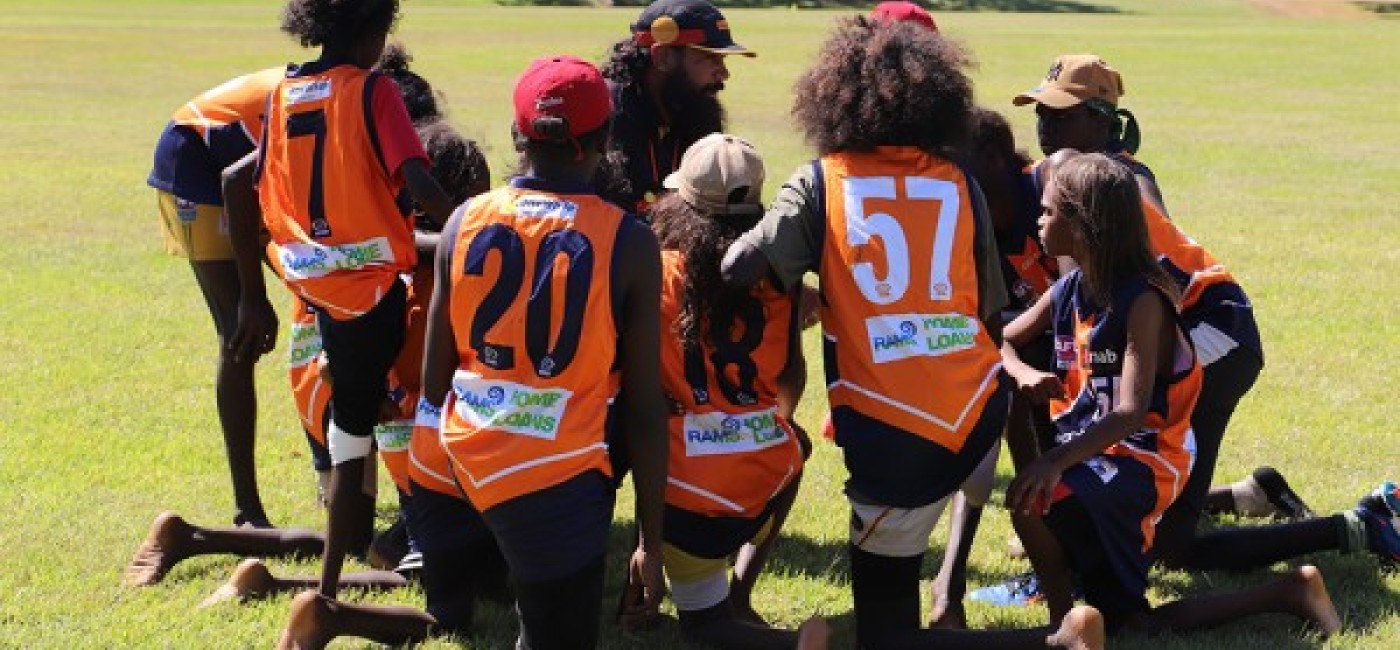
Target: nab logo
x=1055, y=70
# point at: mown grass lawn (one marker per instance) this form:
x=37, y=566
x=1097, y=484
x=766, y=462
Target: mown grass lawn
x=1274, y=139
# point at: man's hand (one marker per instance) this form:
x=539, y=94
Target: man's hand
x=641, y=598
x=256, y=333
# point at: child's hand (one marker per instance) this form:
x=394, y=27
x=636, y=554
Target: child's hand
x=1031, y=491
x=1040, y=387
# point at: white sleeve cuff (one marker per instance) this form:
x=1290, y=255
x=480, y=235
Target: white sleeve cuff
x=345, y=446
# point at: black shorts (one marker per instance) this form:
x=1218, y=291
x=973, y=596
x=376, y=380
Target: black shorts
x=711, y=537
x=1104, y=550
x=555, y=532
x=359, y=354
x=894, y=467
x=439, y=522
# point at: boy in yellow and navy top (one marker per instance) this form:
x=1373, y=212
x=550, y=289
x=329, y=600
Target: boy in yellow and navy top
x=912, y=295
x=545, y=311
x=1077, y=110
x=732, y=366
x=207, y=134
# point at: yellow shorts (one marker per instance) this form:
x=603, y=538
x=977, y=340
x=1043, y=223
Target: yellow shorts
x=194, y=230
x=683, y=568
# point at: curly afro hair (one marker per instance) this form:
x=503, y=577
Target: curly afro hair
x=885, y=84
x=418, y=94
x=338, y=23
x=458, y=164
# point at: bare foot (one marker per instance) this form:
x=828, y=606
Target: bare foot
x=813, y=634
x=1312, y=602
x=308, y=626
x=947, y=615
x=1081, y=629
x=162, y=549
x=250, y=580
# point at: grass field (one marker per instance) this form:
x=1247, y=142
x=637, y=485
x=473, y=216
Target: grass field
x=1274, y=139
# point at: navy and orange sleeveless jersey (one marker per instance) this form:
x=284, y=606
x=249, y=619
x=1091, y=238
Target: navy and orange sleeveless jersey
x=230, y=112
x=328, y=200
x=1028, y=271
x=1209, y=293
x=731, y=452
x=209, y=133
x=905, y=344
x=532, y=312
x=1090, y=344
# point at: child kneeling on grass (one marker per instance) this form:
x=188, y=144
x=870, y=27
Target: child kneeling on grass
x=1124, y=384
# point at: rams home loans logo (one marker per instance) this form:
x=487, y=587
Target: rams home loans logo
x=545, y=207
x=708, y=434
x=905, y=337
x=511, y=407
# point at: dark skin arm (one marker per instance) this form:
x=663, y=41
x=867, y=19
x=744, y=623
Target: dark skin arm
x=256, y=332
x=440, y=359
x=1147, y=353
x=1038, y=385
x=425, y=190
x=644, y=419
x=792, y=381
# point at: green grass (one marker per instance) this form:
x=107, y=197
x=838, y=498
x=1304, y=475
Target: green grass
x=1274, y=141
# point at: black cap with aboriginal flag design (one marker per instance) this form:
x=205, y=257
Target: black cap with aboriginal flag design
x=690, y=23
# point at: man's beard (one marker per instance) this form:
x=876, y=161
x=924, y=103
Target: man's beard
x=692, y=113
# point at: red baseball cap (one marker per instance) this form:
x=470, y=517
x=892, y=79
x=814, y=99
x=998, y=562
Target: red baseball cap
x=898, y=10
x=565, y=87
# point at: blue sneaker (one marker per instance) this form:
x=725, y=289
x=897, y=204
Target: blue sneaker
x=1379, y=510
x=1022, y=590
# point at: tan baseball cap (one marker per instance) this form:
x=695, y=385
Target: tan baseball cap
x=720, y=174
x=1075, y=78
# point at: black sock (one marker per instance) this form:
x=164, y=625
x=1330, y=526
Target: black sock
x=886, y=591
x=561, y=614
x=1259, y=546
